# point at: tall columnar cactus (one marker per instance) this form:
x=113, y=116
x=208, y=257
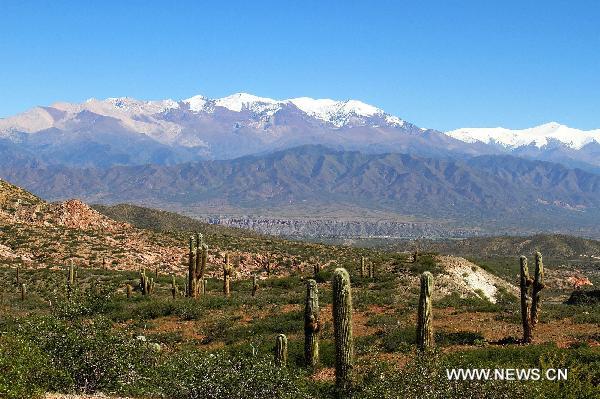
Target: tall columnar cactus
x=204, y=285
x=173, y=287
x=18, y=278
x=530, y=304
x=524, y=283
x=342, y=328
x=425, y=316
x=150, y=288
x=143, y=282
x=254, y=285
x=371, y=270
x=191, y=289
x=71, y=276
x=281, y=349
x=199, y=244
x=202, y=269
x=23, y=291
x=227, y=272
x=363, y=270
x=316, y=269
x=312, y=324
x=129, y=290
x=538, y=285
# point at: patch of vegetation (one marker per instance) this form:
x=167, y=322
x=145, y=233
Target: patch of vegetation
x=444, y=338
x=584, y=297
x=426, y=263
x=470, y=304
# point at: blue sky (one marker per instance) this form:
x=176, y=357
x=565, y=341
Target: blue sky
x=439, y=64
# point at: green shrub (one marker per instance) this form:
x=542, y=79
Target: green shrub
x=26, y=371
x=92, y=355
x=194, y=375
x=426, y=263
x=398, y=339
x=444, y=338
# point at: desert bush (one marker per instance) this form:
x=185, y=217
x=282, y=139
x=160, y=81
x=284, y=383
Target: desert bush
x=398, y=339
x=426, y=263
x=444, y=338
x=194, y=375
x=425, y=376
x=26, y=371
x=89, y=352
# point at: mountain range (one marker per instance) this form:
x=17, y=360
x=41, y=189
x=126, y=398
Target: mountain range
x=485, y=191
x=126, y=131
x=240, y=159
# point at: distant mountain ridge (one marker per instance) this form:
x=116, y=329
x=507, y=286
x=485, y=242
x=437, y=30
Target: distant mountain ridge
x=538, y=136
x=550, y=142
x=486, y=191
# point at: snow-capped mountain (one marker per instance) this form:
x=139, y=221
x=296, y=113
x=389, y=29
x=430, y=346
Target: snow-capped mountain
x=139, y=114
x=548, y=142
x=538, y=136
x=130, y=131
x=336, y=113
x=127, y=131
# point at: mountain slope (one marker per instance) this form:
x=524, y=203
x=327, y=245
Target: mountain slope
x=496, y=189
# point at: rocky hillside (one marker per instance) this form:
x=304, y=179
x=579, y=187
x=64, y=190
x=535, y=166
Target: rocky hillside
x=36, y=233
x=468, y=279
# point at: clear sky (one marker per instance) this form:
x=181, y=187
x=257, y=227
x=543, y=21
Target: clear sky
x=439, y=64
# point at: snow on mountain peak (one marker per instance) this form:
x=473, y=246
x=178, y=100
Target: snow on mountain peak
x=119, y=105
x=196, y=103
x=240, y=101
x=144, y=116
x=338, y=113
x=539, y=136
x=133, y=106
